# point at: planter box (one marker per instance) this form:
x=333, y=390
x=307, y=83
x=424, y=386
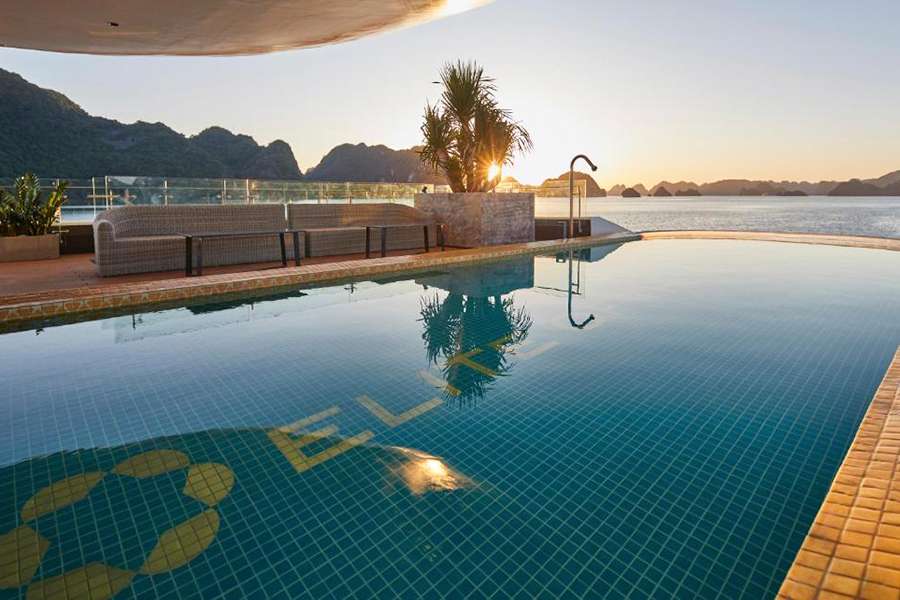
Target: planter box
x=29, y=247
x=481, y=219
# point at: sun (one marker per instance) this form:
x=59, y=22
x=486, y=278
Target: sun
x=494, y=171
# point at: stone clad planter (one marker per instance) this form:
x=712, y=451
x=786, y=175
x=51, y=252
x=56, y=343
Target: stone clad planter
x=29, y=247
x=481, y=219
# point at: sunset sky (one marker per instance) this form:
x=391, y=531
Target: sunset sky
x=652, y=90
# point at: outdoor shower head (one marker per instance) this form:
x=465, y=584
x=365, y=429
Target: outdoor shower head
x=586, y=159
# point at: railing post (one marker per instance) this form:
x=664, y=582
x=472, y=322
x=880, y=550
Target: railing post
x=224, y=190
x=58, y=210
x=165, y=192
x=247, y=190
x=349, y=197
x=106, y=192
x=94, y=194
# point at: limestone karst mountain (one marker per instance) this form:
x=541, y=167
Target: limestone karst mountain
x=43, y=131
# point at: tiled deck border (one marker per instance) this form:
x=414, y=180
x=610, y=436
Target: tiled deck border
x=853, y=548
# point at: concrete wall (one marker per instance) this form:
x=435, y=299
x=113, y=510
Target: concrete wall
x=553, y=228
x=481, y=219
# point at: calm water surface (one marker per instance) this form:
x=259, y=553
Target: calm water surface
x=814, y=214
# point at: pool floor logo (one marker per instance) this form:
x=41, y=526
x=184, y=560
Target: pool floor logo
x=23, y=548
x=293, y=439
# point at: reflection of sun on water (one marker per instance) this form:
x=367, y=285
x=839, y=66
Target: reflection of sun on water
x=423, y=473
x=434, y=467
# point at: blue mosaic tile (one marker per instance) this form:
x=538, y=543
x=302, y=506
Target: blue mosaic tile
x=676, y=445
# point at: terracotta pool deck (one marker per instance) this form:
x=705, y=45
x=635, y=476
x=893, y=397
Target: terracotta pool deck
x=76, y=271
x=78, y=292
x=853, y=547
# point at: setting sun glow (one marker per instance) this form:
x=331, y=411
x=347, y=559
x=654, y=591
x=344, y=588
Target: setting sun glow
x=493, y=172
x=452, y=7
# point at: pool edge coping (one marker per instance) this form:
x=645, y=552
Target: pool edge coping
x=32, y=307
x=847, y=241
x=852, y=549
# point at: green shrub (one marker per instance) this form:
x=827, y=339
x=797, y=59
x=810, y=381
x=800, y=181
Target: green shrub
x=25, y=212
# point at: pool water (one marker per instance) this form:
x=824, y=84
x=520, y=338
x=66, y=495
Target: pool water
x=652, y=420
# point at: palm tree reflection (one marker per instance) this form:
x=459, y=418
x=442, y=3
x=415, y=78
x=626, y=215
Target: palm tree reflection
x=468, y=337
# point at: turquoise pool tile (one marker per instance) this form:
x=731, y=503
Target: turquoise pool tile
x=679, y=447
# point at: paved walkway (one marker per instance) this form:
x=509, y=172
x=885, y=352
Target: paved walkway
x=72, y=271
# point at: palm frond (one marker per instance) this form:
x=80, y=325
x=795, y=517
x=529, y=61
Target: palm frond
x=469, y=132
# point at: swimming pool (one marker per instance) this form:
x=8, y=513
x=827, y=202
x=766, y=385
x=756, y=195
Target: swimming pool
x=656, y=419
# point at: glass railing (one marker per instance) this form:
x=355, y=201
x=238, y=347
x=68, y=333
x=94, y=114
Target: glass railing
x=86, y=198
x=553, y=197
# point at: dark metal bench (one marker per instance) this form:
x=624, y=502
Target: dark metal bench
x=385, y=227
x=189, y=240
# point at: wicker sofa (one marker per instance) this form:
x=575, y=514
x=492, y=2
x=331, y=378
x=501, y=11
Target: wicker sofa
x=142, y=239
x=335, y=229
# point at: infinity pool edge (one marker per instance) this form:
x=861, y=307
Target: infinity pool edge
x=20, y=308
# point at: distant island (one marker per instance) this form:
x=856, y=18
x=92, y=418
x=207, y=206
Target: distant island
x=561, y=184
x=886, y=185
x=856, y=187
x=42, y=130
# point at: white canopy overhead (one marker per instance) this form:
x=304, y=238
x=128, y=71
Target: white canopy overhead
x=205, y=27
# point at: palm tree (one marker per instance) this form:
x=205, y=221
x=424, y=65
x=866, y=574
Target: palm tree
x=25, y=212
x=467, y=135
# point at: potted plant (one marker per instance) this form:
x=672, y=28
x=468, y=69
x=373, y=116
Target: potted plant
x=26, y=220
x=470, y=138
